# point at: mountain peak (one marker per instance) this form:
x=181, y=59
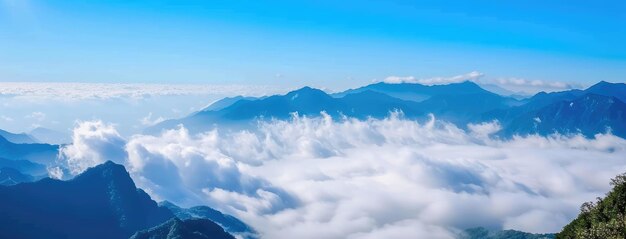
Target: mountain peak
x=307, y=93
x=605, y=84
x=108, y=167
x=104, y=194
x=617, y=90
x=106, y=173
x=307, y=90
x=467, y=83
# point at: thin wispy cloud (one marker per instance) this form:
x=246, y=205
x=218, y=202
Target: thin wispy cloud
x=471, y=76
x=103, y=91
x=514, y=85
x=534, y=86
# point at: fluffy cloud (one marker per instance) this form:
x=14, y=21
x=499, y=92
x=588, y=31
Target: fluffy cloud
x=149, y=121
x=93, y=143
x=348, y=178
x=471, y=76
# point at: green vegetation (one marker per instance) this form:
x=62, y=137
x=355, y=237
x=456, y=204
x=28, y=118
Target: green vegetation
x=604, y=219
x=482, y=233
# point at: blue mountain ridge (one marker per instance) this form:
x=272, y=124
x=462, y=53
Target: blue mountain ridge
x=417, y=92
x=459, y=103
x=589, y=114
x=24, y=166
x=49, y=136
x=36, y=152
x=196, y=228
x=102, y=202
x=359, y=104
x=566, y=112
x=229, y=223
x=482, y=233
x=18, y=138
x=11, y=176
x=608, y=89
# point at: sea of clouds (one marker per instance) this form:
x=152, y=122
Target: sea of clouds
x=25, y=106
x=348, y=178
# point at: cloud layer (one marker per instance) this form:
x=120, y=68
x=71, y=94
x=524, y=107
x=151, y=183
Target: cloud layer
x=534, y=86
x=82, y=91
x=511, y=85
x=471, y=76
x=347, y=178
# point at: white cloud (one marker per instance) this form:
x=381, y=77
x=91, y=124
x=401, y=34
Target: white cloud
x=93, y=143
x=149, y=121
x=534, y=86
x=37, y=116
x=484, y=130
x=325, y=178
x=6, y=118
x=82, y=91
x=515, y=85
x=471, y=76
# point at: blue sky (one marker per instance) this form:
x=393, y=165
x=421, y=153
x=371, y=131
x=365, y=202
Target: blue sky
x=329, y=44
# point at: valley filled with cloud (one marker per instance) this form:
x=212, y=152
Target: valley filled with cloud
x=324, y=177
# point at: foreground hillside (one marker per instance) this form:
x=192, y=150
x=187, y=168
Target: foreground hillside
x=103, y=202
x=604, y=219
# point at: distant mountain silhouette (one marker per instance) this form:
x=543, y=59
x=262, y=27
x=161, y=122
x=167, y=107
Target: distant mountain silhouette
x=49, y=136
x=24, y=166
x=175, y=228
x=461, y=108
x=305, y=101
x=102, y=202
x=225, y=102
x=417, y=92
x=589, y=114
x=596, y=109
x=18, y=138
x=617, y=90
x=11, y=176
x=38, y=153
x=482, y=233
x=536, y=102
x=229, y=223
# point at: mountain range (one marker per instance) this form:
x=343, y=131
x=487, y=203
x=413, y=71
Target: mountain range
x=482, y=233
x=102, y=202
x=34, y=152
x=597, y=109
x=17, y=138
x=228, y=222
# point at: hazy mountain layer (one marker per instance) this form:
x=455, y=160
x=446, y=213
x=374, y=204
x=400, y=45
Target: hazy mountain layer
x=598, y=109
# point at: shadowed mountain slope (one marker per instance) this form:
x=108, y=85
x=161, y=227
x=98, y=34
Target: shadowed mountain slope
x=102, y=202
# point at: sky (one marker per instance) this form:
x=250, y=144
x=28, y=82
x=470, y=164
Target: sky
x=325, y=44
